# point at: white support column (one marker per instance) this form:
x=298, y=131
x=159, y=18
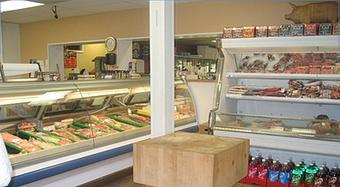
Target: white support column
x=162, y=66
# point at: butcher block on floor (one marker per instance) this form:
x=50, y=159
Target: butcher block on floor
x=190, y=160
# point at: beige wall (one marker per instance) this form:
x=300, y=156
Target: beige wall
x=190, y=18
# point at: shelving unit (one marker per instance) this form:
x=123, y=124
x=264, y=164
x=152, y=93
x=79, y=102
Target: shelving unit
x=283, y=110
x=286, y=76
x=284, y=99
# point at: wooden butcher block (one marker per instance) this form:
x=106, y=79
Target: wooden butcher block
x=190, y=160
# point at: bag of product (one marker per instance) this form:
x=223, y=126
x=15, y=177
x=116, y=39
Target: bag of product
x=6, y=168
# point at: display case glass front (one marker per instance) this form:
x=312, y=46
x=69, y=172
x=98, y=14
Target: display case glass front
x=44, y=121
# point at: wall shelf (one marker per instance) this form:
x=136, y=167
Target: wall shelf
x=283, y=44
x=284, y=99
x=284, y=76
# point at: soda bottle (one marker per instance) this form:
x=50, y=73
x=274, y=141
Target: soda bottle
x=297, y=175
x=321, y=177
x=310, y=174
x=334, y=176
x=302, y=164
x=252, y=170
x=274, y=171
x=263, y=171
x=290, y=163
x=285, y=176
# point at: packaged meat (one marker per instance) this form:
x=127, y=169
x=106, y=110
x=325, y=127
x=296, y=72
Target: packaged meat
x=227, y=32
x=296, y=30
x=121, y=127
x=238, y=32
x=100, y=119
x=273, y=31
x=26, y=126
x=284, y=30
x=66, y=134
x=317, y=57
x=325, y=28
x=143, y=118
x=336, y=29
x=314, y=68
x=41, y=144
x=18, y=142
x=45, y=137
x=101, y=127
x=88, y=133
x=311, y=29
x=328, y=68
x=126, y=120
x=248, y=32
x=302, y=70
x=261, y=31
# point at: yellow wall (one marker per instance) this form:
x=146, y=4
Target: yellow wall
x=84, y=60
x=196, y=17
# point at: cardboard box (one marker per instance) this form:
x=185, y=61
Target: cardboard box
x=190, y=159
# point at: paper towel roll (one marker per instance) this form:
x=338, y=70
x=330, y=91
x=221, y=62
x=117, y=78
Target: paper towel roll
x=19, y=69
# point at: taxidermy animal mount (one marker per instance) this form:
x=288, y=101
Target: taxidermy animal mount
x=324, y=12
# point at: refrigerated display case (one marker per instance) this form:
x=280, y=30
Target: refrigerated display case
x=282, y=93
x=48, y=125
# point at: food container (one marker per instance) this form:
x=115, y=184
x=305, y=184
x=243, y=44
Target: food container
x=238, y=32
x=248, y=32
x=336, y=29
x=273, y=31
x=284, y=30
x=325, y=28
x=311, y=29
x=328, y=68
x=314, y=68
x=296, y=30
x=302, y=69
x=318, y=57
x=261, y=31
x=227, y=32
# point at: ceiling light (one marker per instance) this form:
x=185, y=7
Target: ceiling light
x=17, y=5
x=213, y=41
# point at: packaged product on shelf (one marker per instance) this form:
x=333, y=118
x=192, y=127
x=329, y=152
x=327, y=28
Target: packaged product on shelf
x=19, y=144
x=318, y=57
x=261, y=31
x=325, y=29
x=273, y=31
x=296, y=30
x=248, y=32
x=314, y=68
x=336, y=29
x=238, y=32
x=227, y=32
x=328, y=67
x=284, y=30
x=302, y=70
x=311, y=29
x=26, y=126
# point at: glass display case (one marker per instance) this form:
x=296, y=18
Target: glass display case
x=280, y=90
x=44, y=121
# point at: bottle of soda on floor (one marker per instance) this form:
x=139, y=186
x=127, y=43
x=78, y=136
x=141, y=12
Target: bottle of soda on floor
x=311, y=172
x=297, y=175
x=274, y=171
x=334, y=176
x=321, y=177
x=285, y=174
x=252, y=170
x=263, y=172
x=291, y=164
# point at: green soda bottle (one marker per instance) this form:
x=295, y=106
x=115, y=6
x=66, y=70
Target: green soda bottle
x=311, y=172
x=297, y=175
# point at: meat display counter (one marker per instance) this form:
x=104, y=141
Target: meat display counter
x=44, y=124
x=282, y=93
